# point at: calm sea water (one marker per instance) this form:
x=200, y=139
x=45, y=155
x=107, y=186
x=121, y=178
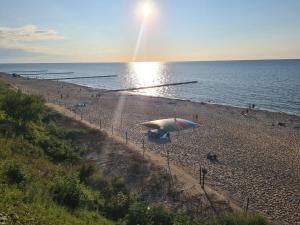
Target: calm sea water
x=270, y=84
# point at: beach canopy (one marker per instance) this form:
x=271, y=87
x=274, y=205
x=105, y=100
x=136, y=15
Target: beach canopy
x=170, y=124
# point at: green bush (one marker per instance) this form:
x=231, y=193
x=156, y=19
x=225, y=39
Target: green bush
x=91, y=200
x=13, y=172
x=159, y=215
x=181, y=218
x=22, y=108
x=117, y=206
x=59, y=150
x=137, y=214
x=86, y=170
x=145, y=214
x=67, y=191
x=118, y=186
x=101, y=184
x=8, y=128
x=62, y=132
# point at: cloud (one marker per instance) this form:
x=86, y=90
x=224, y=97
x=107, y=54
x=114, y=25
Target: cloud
x=26, y=42
x=28, y=33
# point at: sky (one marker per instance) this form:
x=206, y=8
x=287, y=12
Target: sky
x=174, y=30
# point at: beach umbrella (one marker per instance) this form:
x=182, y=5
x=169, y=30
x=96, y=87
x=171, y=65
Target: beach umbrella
x=170, y=124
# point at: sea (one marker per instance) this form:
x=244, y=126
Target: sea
x=272, y=85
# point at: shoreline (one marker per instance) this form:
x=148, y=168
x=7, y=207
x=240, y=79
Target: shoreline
x=256, y=157
x=241, y=105
x=210, y=102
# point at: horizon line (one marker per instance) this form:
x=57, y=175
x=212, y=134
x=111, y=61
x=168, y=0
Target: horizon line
x=175, y=61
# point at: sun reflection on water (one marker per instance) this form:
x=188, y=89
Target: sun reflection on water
x=147, y=74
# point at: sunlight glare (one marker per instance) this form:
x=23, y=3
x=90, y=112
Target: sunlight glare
x=147, y=74
x=147, y=9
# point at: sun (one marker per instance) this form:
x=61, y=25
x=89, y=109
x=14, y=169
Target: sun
x=147, y=9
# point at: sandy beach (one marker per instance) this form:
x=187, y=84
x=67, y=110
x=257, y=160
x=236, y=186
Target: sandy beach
x=258, y=154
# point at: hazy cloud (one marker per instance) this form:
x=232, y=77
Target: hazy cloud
x=28, y=33
x=20, y=43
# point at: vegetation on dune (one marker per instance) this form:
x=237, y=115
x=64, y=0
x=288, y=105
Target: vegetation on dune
x=45, y=179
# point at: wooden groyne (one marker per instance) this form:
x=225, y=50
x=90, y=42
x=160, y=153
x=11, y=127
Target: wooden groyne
x=75, y=78
x=153, y=86
x=28, y=72
x=45, y=73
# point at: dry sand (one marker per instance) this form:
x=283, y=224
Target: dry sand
x=257, y=158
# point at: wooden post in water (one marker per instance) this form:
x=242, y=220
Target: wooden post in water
x=126, y=135
x=112, y=129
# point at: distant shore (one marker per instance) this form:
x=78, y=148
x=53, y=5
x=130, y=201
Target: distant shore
x=257, y=151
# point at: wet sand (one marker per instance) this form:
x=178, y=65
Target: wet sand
x=258, y=153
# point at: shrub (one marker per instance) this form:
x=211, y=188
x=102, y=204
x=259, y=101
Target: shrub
x=137, y=214
x=117, y=206
x=8, y=128
x=67, y=191
x=13, y=172
x=86, y=170
x=144, y=214
x=62, y=132
x=159, y=215
x=91, y=200
x=59, y=150
x=118, y=186
x=101, y=184
x=51, y=116
x=22, y=108
x=181, y=218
